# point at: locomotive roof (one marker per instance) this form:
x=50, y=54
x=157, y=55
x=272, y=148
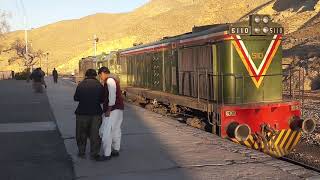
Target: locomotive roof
x=201, y=31
x=91, y=58
x=197, y=31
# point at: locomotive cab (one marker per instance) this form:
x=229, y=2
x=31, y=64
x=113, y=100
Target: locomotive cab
x=250, y=88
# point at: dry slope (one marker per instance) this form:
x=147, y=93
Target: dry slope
x=68, y=41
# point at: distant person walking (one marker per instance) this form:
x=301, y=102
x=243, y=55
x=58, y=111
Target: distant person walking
x=12, y=74
x=28, y=74
x=55, y=75
x=113, y=107
x=90, y=95
x=37, y=76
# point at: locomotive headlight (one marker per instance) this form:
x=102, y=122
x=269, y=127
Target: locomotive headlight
x=265, y=30
x=265, y=19
x=257, y=30
x=257, y=19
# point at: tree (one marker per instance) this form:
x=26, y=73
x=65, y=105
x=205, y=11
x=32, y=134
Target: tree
x=29, y=58
x=4, y=25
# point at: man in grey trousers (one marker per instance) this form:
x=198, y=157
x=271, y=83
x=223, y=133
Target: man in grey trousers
x=90, y=95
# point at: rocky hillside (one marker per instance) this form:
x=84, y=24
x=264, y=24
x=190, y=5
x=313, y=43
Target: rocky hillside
x=303, y=50
x=68, y=41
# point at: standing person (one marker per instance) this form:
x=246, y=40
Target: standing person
x=113, y=107
x=37, y=80
x=90, y=95
x=12, y=74
x=55, y=75
x=28, y=74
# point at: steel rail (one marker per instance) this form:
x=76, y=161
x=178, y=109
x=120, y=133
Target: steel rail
x=306, y=166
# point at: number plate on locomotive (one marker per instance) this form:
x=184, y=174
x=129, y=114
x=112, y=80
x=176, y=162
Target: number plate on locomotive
x=240, y=30
x=276, y=30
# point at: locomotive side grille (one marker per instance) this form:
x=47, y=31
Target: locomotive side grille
x=194, y=63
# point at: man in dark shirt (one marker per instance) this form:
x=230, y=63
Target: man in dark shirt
x=90, y=96
x=55, y=75
x=38, y=80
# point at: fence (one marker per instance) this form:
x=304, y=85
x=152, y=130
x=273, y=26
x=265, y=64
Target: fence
x=5, y=75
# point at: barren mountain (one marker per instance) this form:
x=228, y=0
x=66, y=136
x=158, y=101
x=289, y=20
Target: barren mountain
x=68, y=41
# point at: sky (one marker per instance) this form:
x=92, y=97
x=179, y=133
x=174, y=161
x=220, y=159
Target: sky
x=43, y=12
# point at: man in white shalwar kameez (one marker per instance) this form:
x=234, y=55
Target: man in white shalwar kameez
x=110, y=130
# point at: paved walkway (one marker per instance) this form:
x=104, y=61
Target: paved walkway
x=157, y=147
x=31, y=148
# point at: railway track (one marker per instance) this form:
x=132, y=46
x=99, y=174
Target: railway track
x=312, y=95
x=300, y=164
x=196, y=123
x=306, y=95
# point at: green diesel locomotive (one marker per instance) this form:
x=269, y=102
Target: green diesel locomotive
x=232, y=72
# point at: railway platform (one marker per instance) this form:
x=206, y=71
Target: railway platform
x=158, y=147
x=31, y=147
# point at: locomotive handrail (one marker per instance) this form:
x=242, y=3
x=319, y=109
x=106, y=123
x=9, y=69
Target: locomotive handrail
x=301, y=80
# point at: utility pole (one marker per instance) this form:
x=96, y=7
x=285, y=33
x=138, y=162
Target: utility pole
x=25, y=26
x=47, y=57
x=25, y=30
x=26, y=45
x=26, y=34
x=96, y=40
